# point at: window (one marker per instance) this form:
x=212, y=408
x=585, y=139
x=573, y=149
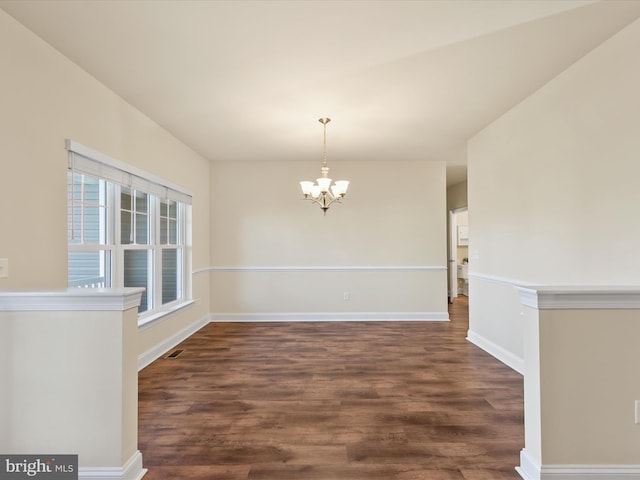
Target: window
x=127, y=229
x=89, y=249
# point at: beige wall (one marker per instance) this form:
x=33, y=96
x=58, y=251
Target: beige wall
x=393, y=217
x=552, y=188
x=457, y=196
x=46, y=99
x=70, y=387
x=588, y=384
x=581, y=381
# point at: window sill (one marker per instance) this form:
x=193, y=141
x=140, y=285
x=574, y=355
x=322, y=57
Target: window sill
x=147, y=320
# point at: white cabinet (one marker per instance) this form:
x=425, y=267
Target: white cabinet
x=463, y=235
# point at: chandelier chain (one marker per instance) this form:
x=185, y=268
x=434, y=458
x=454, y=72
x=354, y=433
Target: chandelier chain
x=324, y=149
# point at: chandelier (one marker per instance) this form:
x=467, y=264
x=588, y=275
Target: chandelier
x=323, y=193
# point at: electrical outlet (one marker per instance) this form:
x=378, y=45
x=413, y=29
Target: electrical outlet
x=4, y=268
x=346, y=296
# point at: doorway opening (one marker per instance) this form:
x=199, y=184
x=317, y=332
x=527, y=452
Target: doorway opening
x=458, y=253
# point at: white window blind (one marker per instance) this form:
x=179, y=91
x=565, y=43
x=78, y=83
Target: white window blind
x=83, y=159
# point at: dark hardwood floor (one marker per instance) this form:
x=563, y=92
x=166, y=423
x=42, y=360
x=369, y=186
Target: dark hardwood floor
x=331, y=401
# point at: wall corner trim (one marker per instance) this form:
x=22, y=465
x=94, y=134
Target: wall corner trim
x=580, y=297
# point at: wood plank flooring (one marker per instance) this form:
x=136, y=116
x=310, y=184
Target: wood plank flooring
x=331, y=401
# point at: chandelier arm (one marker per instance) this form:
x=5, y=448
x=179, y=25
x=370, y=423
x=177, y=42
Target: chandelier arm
x=324, y=201
x=331, y=199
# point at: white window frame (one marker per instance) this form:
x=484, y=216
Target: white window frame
x=103, y=280
x=118, y=174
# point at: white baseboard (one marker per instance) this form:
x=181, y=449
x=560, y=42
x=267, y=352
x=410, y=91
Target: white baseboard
x=497, y=351
x=149, y=356
x=132, y=470
x=331, y=317
x=529, y=469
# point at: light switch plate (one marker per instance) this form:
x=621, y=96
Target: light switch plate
x=637, y=412
x=4, y=268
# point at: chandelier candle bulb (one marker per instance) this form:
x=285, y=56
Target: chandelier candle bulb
x=323, y=193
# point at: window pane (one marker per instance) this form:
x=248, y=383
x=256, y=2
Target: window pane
x=92, y=225
x=77, y=187
x=89, y=269
x=136, y=274
x=170, y=283
x=125, y=199
x=125, y=228
x=91, y=190
x=173, y=232
x=75, y=225
x=163, y=230
x=87, y=210
x=142, y=205
x=139, y=232
x=142, y=229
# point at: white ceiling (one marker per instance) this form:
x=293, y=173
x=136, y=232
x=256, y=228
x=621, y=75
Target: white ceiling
x=247, y=80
